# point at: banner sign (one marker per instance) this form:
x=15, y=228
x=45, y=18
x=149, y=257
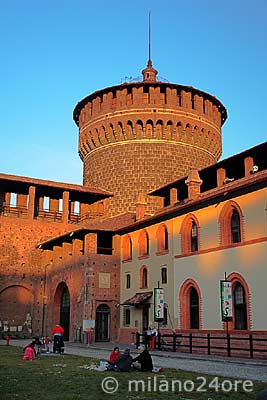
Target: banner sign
x=226, y=300
x=158, y=304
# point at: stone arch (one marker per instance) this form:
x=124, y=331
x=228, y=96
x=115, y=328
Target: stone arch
x=120, y=131
x=144, y=284
x=127, y=248
x=225, y=223
x=169, y=129
x=149, y=129
x=162, y=238
x=139, y=129
x=143, y=243
x=179, y=128
x=96, y=137
x=184, y=302
x=159, y=129
x=61, y=307
x=188, y=128
x=236, y=279
x=16, y=304
x=103, y=135
x=111, y=133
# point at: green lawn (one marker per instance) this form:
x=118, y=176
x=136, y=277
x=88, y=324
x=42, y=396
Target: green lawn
x=42, y=380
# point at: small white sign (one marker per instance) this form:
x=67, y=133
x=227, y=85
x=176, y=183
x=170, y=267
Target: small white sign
x=158, y=304
x=226, y=300
x=88, y=324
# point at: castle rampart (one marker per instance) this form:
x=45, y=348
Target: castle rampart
x=137, y=136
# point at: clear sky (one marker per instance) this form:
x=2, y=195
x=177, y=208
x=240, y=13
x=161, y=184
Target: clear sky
x=55, y=52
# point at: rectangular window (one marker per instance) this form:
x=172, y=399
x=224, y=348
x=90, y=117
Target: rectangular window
x=128, y=281
x=126, y=317
x=164, y=275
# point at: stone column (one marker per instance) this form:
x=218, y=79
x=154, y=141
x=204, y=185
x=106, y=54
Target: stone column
x=193, y=182
x=173, y=196
x=220, y=176
x=31, y=203
x=90, y=243
x=65, y=207
x=249, y=163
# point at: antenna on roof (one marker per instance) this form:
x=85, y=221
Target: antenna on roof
x=149, y=36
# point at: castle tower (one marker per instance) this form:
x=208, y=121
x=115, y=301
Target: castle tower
x=137, y=136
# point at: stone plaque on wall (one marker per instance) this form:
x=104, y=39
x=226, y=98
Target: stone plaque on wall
x=104, y=280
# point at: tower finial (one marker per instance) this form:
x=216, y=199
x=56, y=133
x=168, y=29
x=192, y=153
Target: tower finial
x=149, y=37
x=149, y=73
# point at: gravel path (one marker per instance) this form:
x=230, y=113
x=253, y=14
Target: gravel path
x=241, y=369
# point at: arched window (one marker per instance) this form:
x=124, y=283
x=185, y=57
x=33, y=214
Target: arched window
x=194, y=309
x=143, y=278
x=162, y=239
x=235, y=227
x=143, y=243
x=190, y=235
x=231, y=224
x=127, y=248
x=240, y=307
x=194, y=237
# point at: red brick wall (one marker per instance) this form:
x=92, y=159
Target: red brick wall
x=75, y=273
x=134, y=142
x=21, y=278
x=136, y=168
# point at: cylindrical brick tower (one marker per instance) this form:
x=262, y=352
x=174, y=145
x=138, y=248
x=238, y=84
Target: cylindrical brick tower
x=135, y=137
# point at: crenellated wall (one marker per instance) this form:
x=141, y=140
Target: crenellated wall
x=135, y=137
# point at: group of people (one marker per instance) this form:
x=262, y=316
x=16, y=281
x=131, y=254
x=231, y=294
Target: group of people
x=124, y=362
x=34, y=348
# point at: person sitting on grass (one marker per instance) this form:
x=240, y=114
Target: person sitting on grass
x=143, y=362
x=122, y=363
x=114, y=354
x=29, y=351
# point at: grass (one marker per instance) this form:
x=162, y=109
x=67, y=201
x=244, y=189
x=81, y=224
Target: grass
x=43, y=380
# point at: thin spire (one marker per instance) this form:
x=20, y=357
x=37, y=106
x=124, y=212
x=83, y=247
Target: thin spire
x=149, y=73
x=149, y=36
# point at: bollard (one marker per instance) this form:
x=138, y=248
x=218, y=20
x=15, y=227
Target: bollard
x=7, y=340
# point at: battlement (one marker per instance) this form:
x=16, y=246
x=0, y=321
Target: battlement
x=142, y=94
x=137, y=136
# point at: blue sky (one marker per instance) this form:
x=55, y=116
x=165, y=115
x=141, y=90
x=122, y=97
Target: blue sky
x=55, y=52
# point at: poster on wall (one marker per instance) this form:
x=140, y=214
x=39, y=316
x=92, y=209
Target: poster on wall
x=158, y=304
x=88, y=324
x=226, y=300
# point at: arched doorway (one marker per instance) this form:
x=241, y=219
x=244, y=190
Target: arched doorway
x=194, y=309
x=65, y=312
x=102, y=326
x=190, y=300
x=62, y=308
x=240, y=307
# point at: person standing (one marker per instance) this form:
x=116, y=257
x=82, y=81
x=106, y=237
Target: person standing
x=154, y=334
x=58, y=332
x=147, y=337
